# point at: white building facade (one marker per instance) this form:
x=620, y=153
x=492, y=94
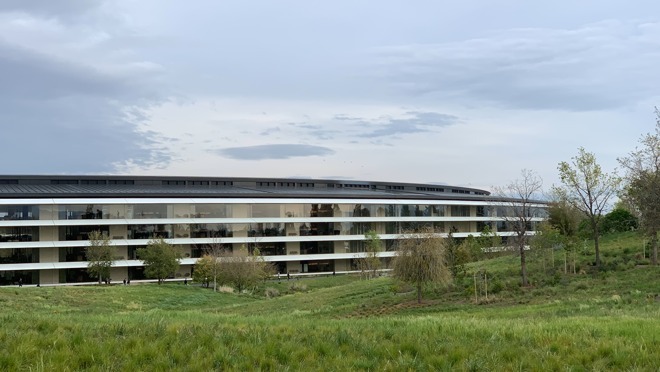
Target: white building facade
x=301, y=226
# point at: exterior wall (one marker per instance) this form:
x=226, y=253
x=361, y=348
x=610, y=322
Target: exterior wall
x=317, y=234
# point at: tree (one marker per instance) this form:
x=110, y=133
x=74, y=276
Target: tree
x=619, y=220
x=568, y=221
x=243, y=270
x=487, y=240
x=208, y=267
x=160, y=258
x=99, y=255
x=420, y=260
x=544, y=243
x=564, y=217
x=203, y=271
x=518, y=198
x=457, y=253
x=589, y=189
x=643, y=184
x=369, y=263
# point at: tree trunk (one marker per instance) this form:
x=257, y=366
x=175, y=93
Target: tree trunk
x=523, y=265
x=419, y=293
x=596, y=245
x=654, y=249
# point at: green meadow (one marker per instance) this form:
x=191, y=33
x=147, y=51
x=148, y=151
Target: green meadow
x=586, y=321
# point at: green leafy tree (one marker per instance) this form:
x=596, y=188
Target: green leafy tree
x=420, y=260
x=99, y=255
x=619, y=220
x=643, y=184
x=160, y=258
x=544, y=243
x=204, y=269
x=487, y=240
x=571, y=225
x=457, y=253
x=208, y=267
x=587, y=188
x=564, y=217
x=370, y=263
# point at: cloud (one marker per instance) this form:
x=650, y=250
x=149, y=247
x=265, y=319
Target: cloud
x=417, y=122
x=597, y=66
x=278, y=151
x=72, y=114
x=270, y=131
x=64, y=8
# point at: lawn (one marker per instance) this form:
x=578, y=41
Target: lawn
x=594, y=321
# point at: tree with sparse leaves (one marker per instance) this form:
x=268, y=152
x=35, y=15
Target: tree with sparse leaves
x=587, y=188
x=643, y=184
x=243, y=270
x=420, y=260
x=100, y=256
x=161, y=259
x=520, y=201
x=207, y=268
x=369, y=263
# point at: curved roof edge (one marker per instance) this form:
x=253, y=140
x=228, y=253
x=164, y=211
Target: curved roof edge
x=58, y=186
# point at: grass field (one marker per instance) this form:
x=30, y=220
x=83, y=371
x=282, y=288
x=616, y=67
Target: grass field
x=600, y=321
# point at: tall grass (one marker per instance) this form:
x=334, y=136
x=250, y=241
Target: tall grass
x=604, y=321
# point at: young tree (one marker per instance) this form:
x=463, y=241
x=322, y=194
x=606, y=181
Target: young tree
x=457, y=253
x=208, y=267
x=487, y=240
x=564, y=217
x=99, y=255
x=643, y=184
x=544, y=244
x=369, y=264
x=519, y=198
x=160, y=258
x=203, y=271
x=243, y=270
x=420, y=260
x=587, y=188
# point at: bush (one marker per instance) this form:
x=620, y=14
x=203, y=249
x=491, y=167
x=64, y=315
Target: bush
x=225, y=289
x=496, y=287
x=581, y=286
x=271, y=292
x=400, y=287
x=297, y=287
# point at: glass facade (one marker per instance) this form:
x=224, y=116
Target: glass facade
x=19, y=212
x=19, y=234
x=330, y=229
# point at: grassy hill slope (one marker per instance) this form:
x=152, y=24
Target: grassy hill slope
x=602, y=321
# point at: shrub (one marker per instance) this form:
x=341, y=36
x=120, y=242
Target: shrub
x=297, y=287
x=496, y=286
x=401, y=287
x=271, y=292
x=225, y=289
x=581, y=286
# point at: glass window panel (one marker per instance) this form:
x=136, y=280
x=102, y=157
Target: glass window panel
x=19, y=234
x=19, y=212
x=212, y=210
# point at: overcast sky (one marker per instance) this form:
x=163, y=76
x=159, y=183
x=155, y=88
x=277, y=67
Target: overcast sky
x=456, y=92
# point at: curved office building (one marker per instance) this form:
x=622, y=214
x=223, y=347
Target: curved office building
x=302, y=226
